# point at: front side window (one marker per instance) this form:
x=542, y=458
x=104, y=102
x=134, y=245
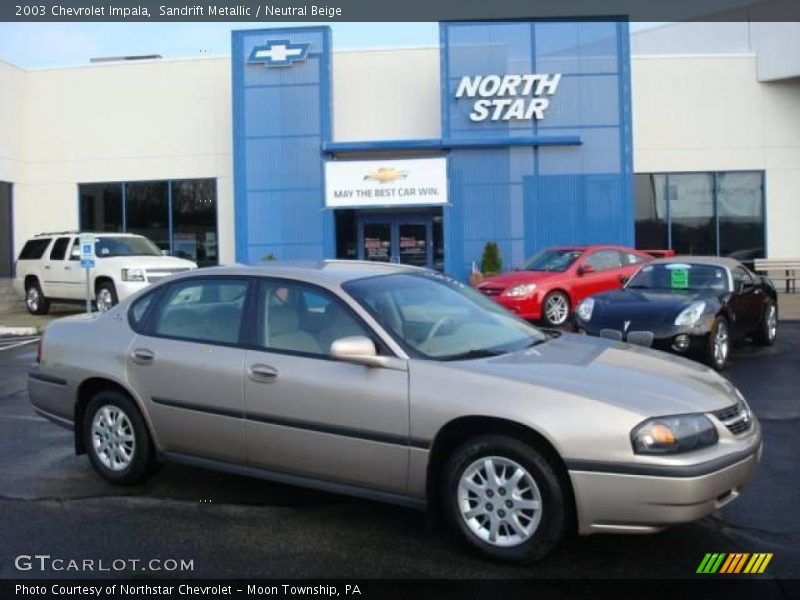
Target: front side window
x=106, y=247
x=740, y=276
x=558, y=259
x=59, y=250
x=680, y=277
x=295, y=317
x=603, y=260
x=207, y=310
x=435, y=317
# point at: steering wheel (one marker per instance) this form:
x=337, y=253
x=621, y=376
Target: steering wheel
x=437, y=326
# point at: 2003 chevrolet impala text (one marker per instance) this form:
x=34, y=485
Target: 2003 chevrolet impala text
x=402, y=385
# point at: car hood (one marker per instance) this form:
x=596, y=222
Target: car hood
x=637, y=379
x=646, y=310
x=512, y=278
x=152, y=262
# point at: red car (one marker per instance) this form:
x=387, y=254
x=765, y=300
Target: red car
x=550, y=283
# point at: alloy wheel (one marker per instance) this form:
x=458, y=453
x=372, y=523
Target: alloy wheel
x=113, y=438
x=556, y=309
x=104, y=300
x=772, y=323
x=499, y=501
x=721, y=343
x=32, y=299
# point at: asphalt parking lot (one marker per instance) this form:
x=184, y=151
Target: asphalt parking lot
x=53, y=503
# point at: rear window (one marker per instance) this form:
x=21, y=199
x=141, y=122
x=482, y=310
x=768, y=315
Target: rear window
x=34, y=249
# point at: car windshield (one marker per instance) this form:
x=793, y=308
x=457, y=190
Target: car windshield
x=551, y=260
x=433, y=316
x=106, y=247
x=680, y=276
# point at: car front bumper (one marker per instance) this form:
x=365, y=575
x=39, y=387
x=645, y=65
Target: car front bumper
x=528, y=307
x=630, y=502
x=128, y=288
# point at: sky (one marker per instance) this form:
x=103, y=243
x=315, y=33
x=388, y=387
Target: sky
x=41, y=45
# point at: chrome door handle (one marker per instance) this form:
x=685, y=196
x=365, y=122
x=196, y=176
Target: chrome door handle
x=263, y=373
x=68, y=268
x=143, y=356
x=47, y=266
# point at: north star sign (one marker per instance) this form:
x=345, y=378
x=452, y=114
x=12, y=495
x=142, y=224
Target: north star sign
x=508, y=97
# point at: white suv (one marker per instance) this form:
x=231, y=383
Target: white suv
x=48, y=269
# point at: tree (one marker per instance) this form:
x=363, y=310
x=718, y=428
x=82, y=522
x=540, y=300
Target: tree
x=491, y=263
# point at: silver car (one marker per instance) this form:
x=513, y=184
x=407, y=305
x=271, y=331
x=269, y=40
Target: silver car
x=403, y=385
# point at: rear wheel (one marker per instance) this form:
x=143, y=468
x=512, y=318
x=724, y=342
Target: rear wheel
x=555, y=309
x=105, y=297
x=35, y=300
x=116, y=438
x=504, y=499
x=768, y=328
x=718, y=346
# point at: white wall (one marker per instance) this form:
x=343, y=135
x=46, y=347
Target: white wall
x=711, y=113
x=386, y=94
x=12, y=115
x=123, y=122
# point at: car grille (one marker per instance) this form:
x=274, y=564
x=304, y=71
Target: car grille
x=158, y=274
x=487, y=291
x=736, y=418
x=641, y=338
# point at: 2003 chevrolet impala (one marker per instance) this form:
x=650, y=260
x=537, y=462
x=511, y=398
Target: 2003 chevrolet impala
x=398, y=384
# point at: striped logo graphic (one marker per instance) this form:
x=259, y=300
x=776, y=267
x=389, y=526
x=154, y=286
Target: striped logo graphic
x=736, y=562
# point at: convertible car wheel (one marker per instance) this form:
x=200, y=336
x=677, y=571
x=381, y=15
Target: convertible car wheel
x=718, y=346
x=503, y=498
x=768, y=328
x=116, y=438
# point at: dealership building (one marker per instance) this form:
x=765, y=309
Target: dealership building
x=527, y=134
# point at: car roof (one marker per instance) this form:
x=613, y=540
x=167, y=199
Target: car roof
x=95, y=233
x=716, y=261
x=328, y=271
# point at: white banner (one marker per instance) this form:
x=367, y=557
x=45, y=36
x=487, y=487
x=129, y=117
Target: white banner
x=402, y=182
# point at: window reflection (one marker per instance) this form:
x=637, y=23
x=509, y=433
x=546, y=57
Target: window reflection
x=194, y=220
x=101, y=207
x=147, y=211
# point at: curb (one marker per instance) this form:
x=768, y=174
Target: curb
x=18, y=331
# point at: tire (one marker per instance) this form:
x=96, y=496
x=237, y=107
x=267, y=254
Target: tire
x=768, y=327
x=543, y=527
x=35, y=300
x=105, y=296
x=556, y=309
x=128, y=460
x=720, y=334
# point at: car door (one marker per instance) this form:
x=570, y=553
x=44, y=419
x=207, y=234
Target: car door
x=311, y=415
x=187, y=366
x=74, y=277
x=746, y=303
x=53, y=269
x=604, y=275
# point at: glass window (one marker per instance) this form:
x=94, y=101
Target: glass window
x=207, y=310
x=75, y=250
x=34, y=249
x=139, y=309
x=101, y=206
x=436, y=317
x=680, y=277
x=740, y=276
x=59, y=250
x=603, y=260
x=628, y=258
x=691, y=197
x=651, y=211
x=299, y=318
x=557, y=260
x=194, y=220
x=147, y=211
x=741, y=215
x=129, y=245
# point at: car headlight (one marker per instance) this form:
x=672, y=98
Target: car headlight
x=670, y=435
x=691, y=314
x=585, y=309
x=520, y=290
x=133, y=275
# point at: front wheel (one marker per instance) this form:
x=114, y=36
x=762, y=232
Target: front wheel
x=504, y=499
x=35, y=300
x=105, y=297
x=555, y=309
x=116, y=438
x=718, y=346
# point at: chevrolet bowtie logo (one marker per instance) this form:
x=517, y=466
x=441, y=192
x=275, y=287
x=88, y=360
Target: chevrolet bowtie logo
x=386, y=175
x=278, y=53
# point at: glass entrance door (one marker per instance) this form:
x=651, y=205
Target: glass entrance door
x=400, y=238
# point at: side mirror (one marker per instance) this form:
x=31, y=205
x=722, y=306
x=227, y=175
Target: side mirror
x=584, y=269
x=361, y=350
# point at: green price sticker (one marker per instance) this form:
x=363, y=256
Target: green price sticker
x=679, y=279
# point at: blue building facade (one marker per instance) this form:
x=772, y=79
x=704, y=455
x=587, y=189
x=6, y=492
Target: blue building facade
x=536, y=133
